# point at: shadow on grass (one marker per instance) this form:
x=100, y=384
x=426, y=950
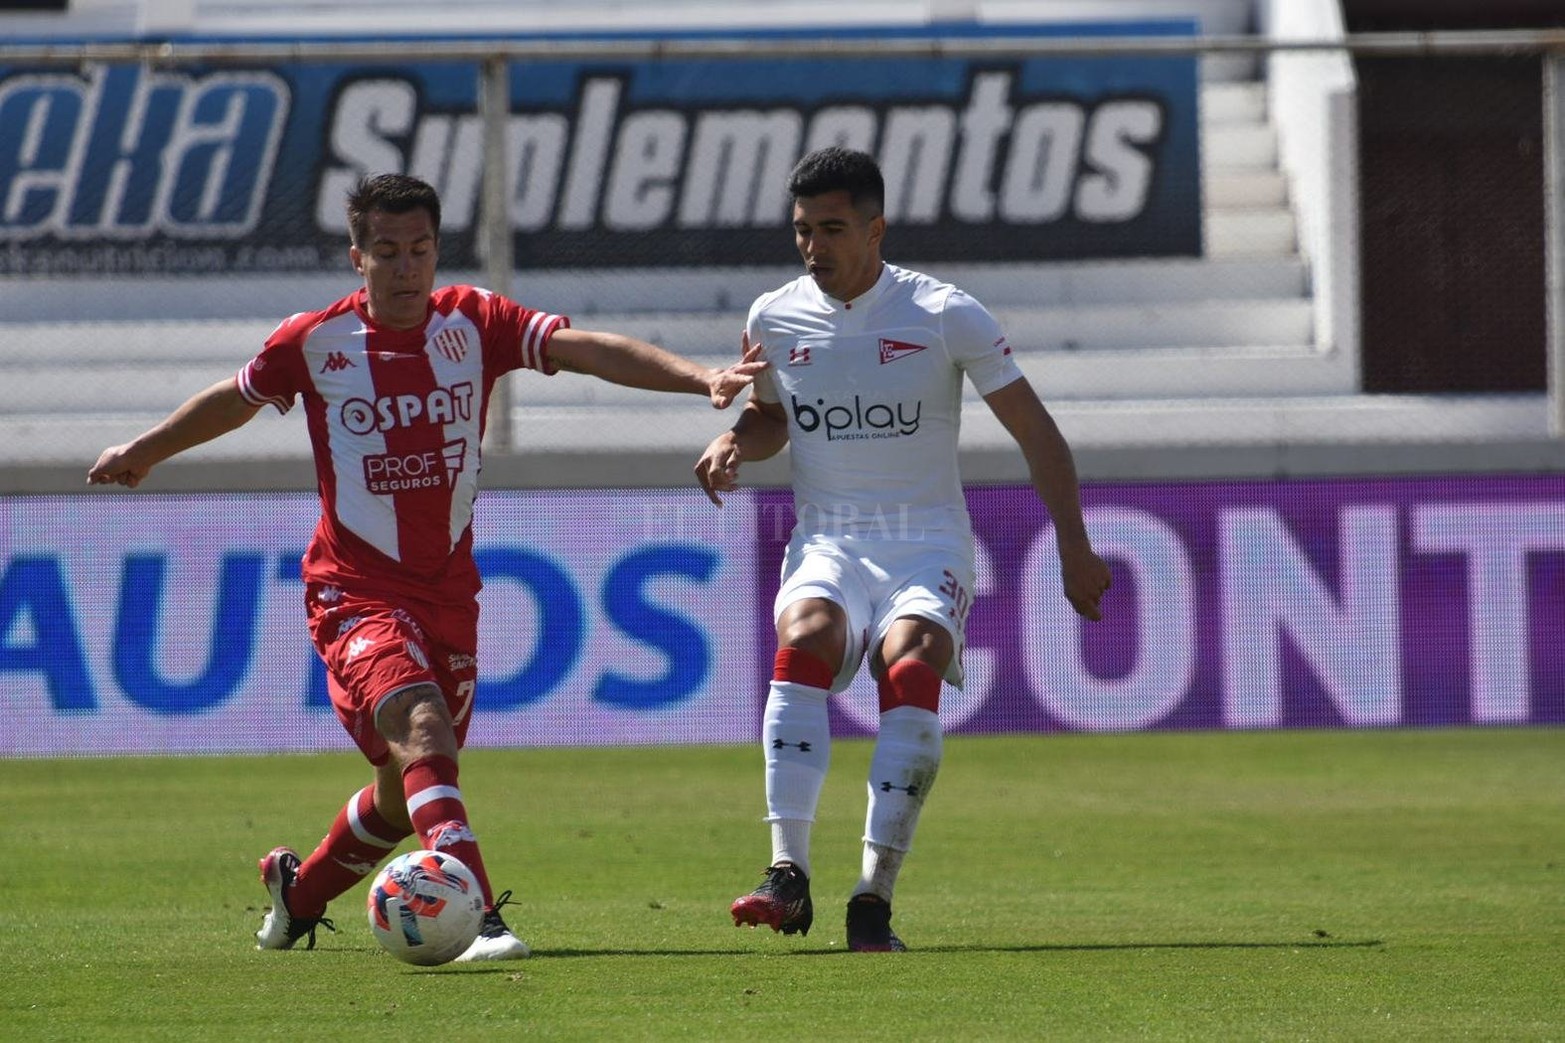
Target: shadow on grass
x=549, y=954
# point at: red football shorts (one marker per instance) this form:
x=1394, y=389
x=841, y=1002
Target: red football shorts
x=374, y=648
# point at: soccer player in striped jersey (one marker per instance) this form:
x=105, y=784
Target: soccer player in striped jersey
x=395, y=379
x=865, y=385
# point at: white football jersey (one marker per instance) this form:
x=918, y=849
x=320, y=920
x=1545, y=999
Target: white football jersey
x=873, y=392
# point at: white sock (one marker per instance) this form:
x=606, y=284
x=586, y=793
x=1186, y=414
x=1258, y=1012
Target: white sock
x=901, y=774
x=796, y=738
x=791, y=842
x=880, y=868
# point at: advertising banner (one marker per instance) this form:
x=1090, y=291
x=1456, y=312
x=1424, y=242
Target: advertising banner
x=175, y=624
x=124, y=169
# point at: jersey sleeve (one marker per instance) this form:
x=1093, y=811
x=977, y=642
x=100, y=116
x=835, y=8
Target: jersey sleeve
x=977, y=344
x=765, y=386
x=517, y=337
x=278, y=374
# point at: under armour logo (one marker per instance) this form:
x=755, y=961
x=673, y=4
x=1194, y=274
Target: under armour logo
x=911, y=789
x=798, y=356
x=335, y=361
x=803, y=747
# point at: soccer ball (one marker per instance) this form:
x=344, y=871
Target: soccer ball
x=425, y=907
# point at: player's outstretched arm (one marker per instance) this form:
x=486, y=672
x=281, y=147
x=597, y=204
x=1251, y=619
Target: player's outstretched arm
x=1053, y=470
x=760, y=432
x=637, y=364
x=204, y=416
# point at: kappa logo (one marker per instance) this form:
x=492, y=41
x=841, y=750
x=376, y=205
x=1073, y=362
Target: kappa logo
x=798, y=356
x=336, y=361
x=357, y=645
x=891, y=350
x=452, y=344
x=329, y=595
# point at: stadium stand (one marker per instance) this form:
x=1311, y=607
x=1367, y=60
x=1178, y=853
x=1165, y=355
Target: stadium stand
x=1217, y=364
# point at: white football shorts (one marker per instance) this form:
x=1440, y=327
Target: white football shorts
x=878, y=582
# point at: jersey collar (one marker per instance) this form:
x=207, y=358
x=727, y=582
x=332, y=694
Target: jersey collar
x=863, y=300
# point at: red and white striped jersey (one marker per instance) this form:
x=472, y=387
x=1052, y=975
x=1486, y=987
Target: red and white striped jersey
x=396, y=418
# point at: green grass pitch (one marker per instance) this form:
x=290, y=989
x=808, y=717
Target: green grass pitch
x=1372, y=885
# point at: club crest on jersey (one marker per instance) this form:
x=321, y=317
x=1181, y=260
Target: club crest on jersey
x=798, y=356
x=452, y=344
x=891, y=350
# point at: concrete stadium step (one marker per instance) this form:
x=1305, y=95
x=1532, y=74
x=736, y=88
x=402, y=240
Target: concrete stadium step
x=77, y=439
x=1269, y=232
x=1118, y=326
x=1069, y=349
x=151, y=388
x=1232, y=102
x=1229, y=67
x=1198, y=324
x=1162, y=324
x=1130, y=282
x=89, y=317
x=80, y=345
x=1243, y=146
x=559, y=446
x=1244, y=189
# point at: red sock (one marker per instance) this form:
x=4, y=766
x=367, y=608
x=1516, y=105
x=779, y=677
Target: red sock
x=910, y=682
x=359, y=840
x=439, y=816
x=797, y=666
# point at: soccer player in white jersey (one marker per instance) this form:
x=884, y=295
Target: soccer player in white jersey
x=395, y=380
x=867, y=362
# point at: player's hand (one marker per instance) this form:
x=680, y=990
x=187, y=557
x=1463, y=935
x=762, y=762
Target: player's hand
x=1086, y=580
x=116, y=466
x=718, y=468
x=726, y=384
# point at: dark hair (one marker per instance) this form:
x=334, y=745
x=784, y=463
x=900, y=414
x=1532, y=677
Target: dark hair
x=834, y=169
x=393, y=194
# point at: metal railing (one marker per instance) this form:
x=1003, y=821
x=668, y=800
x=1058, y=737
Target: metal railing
x=1492, y=43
